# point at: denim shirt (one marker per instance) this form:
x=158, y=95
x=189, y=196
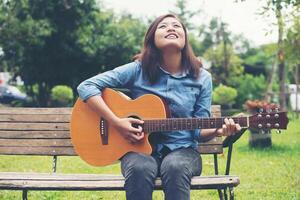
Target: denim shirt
x=185, y=96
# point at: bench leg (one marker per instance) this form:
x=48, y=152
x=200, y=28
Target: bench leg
x=54, y=164
x=225, y=194
x=216, y=173
x=24, y=195
x=231, y=193
x=220, y=194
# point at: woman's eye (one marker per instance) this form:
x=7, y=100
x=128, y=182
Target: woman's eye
x=177, y=25
x=162, y=26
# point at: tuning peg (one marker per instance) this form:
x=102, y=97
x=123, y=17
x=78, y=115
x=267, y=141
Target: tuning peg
x=278, y=131
x=276, y=109
x=261, y=110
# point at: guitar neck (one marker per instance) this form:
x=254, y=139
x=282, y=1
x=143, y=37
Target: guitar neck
x=172, y=124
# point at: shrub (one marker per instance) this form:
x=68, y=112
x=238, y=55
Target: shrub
x=249, y=87
x=61, y=95
x=224, y=95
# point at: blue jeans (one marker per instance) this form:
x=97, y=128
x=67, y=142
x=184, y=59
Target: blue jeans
x=175, y=169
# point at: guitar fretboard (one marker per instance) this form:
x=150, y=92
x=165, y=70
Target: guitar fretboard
x=173, y=124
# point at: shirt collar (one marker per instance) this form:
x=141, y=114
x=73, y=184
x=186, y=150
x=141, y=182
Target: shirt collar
x=177, y=75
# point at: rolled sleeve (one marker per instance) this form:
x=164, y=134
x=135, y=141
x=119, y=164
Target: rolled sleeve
x=122, y=76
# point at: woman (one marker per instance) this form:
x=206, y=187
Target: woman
x=166, y=67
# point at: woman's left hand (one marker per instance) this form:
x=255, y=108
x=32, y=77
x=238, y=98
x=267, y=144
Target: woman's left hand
x=229, y=128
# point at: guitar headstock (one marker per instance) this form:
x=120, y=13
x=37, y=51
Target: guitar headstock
x=269, y=120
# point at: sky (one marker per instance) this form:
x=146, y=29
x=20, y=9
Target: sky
x=241, y=17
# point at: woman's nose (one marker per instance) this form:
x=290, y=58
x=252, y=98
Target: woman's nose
x=170, y=29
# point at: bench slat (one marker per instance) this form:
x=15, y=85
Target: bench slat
x=35, y=118
x=34, y=126
x=216, y=140
x=17, y=111
x=35, y=142
x=47, y=151
x=97, y=182
x=215, y=110
x=205, y=149
x=34, y=134
x=69, y=150
x=50, y=134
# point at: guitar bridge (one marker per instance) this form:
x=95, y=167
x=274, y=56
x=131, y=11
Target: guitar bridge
x=103, y=131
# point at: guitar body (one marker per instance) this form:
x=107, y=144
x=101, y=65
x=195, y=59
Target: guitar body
x=85, y=127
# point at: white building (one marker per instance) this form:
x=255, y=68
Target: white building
x=294, y=97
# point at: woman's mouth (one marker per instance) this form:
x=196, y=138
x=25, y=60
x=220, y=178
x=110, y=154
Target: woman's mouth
x=171, y=36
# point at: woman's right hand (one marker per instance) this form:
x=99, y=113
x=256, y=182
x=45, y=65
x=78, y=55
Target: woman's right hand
x=126, y=129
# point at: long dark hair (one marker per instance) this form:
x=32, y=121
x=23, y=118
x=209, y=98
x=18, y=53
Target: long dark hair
x=150, y=55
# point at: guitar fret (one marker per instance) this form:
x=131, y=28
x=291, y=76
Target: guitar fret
x=174, y=124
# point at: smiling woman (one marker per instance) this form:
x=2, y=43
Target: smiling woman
x=170, y=34
x=167, y=68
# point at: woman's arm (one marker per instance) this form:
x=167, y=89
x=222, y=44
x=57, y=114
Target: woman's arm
x=90, y=92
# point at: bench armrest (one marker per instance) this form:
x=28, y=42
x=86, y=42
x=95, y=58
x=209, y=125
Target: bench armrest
x=229, y=140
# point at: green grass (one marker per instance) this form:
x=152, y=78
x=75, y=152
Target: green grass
x=265, y=174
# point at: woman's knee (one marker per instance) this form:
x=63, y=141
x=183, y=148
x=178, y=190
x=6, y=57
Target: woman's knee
x=175, y=168
x=140, y=165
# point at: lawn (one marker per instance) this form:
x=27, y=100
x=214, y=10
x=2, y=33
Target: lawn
x=266, y=174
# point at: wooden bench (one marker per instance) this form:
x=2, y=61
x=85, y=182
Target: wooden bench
x=45, y=131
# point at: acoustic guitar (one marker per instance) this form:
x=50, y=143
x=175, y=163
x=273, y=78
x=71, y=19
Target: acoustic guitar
x=99, y=143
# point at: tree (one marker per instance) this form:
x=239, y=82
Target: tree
x=184, y=14
x=224, y=95
x=40, y=42
x=63, y=42
x=277, y=7
x=292, y=49
x=221, y=74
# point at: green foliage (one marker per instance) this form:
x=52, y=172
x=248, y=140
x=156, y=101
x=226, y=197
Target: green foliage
x=249, y=87
x=196, y=44
x=185, y=14
x=260, y=60
x=224, y=95
x=61, y=95
x=292, y=46
x=50, y=43
x=223, y=73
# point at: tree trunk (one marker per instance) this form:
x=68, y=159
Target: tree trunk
x=280, y=55
x=260, y=138
x=268, y=94
x=44, y=95
x=296, y=77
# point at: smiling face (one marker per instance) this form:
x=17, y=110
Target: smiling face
x=169, y=34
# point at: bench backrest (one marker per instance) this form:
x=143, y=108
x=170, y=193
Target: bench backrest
x=45, y=131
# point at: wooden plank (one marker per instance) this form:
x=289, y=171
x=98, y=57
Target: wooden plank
x=34, y=134
x=216, y=111
x=69, y=151
x=57, y=176
x=209, y=149
x=35, y=143
x=97, y=182
x=22, y=110
x=33, y=126
x=35, y=117
x=47, y=151
x=214, y=141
